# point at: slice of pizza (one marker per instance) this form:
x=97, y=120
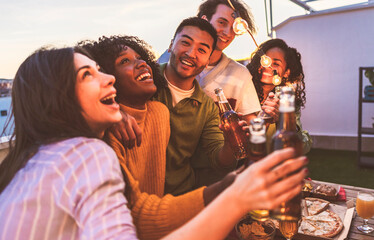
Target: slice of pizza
x=325, y=224
x=315, y=205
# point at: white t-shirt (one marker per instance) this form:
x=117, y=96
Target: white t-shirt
x=236, y=82
x=178, y=94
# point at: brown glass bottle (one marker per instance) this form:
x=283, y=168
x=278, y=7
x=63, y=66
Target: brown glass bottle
x=284, y=137
x=257, y=151
x=257, y=140
x=235, y=135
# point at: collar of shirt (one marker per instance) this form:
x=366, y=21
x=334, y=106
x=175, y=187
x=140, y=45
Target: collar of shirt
x=197, y=95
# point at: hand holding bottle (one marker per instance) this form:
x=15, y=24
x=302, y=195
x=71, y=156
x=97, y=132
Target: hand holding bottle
x=232, y=127
x=267, y=183
x=271, y=108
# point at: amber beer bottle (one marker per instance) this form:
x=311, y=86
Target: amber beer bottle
x=234, y=133
x=284, y=137
x=257, y=151
x=257, y=140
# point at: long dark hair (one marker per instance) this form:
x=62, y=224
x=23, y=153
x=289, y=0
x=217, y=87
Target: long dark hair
x=107, y=49
x=44, y=107
x=293, y=61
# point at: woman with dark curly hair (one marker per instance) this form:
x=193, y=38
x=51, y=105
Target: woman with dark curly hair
x=133, y=64
x=286, y=62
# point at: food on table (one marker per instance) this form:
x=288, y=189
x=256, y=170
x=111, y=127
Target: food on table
x=315, y=205
x=254, y=228
x=325, y=224
x=307, y=187
x=317, y=220
x=327, y=190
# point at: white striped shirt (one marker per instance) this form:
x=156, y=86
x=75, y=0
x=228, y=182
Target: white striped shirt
x=72, y=189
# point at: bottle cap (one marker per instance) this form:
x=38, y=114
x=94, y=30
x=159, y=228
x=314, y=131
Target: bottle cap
x=217, y=90
x=257, y=130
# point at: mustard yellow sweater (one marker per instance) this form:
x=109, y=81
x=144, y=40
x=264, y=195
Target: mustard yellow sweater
x=155, y=215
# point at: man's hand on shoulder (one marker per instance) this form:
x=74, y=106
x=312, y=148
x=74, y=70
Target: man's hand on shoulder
x=127, y=131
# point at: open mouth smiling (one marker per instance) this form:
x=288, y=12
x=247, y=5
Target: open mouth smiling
x=267, y=74
x=143, y=77
x=187, y=63
x=109, y=100
x=223, y=40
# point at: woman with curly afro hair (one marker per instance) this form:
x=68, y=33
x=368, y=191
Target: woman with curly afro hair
x=286, y=61
x=137, y=75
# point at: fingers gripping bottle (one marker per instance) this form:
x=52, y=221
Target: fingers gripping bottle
x=234, y=133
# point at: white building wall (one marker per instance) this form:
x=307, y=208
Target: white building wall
x=5, y=103
x=333, y=46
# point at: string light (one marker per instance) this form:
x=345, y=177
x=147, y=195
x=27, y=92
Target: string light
x=276, y=80
x=240, y=27
x=265, y=61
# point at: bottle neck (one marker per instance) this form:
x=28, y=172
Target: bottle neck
x=287, y=121
x=224, y=105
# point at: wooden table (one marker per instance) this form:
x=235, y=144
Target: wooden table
x=351, y=194
x=353, y=233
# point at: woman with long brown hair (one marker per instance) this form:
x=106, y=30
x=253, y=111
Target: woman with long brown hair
x=59, y=179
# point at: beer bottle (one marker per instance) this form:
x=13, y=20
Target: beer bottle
x=257, y=140
x=234, y=133
x=284, y=137
x=257, y=151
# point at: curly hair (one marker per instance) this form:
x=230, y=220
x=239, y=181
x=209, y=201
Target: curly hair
x=107, y=49
x=209, y=7
x=293, y=60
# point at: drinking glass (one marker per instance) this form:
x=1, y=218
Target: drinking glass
x=264, y=115
x=365, y=209
x=288, y=228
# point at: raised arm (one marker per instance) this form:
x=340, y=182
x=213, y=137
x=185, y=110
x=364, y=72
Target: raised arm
x=264, y=185
x=128, y=131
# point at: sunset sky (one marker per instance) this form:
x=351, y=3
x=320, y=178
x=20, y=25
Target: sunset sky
x=29, y=24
